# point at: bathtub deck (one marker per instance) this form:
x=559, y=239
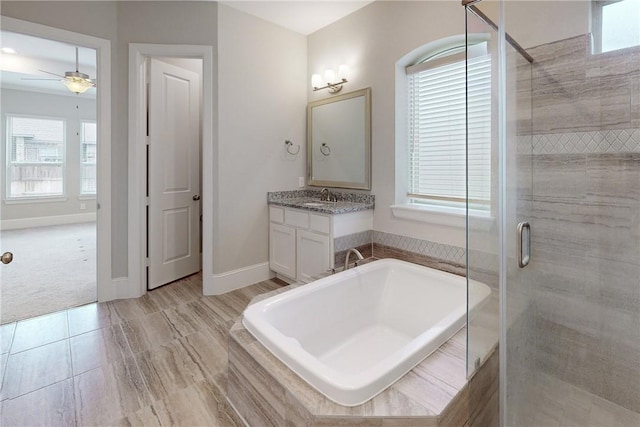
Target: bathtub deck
x=435, y=393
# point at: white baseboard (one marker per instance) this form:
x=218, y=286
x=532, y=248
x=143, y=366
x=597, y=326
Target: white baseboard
x=222, y=283
x=42, y=221
x=123, y=289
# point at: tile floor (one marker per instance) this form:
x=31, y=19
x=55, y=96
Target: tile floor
x=156, y=360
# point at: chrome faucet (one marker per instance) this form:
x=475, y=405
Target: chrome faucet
x=358, y=255
x=324, y=195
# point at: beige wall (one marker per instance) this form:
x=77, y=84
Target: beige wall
x=123, y=23
x=262, y=100
x=371, y=41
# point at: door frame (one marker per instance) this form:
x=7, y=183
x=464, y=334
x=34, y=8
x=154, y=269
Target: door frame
x=138, y=52
x=105, y=289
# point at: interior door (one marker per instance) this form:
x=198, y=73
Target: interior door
x=173, y=173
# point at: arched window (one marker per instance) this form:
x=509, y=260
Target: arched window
x=437, y=120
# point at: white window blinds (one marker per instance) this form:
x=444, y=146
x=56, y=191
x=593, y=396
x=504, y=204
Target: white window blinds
x=437, y=121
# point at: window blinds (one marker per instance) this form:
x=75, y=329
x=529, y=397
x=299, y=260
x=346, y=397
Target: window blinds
x=437, y=120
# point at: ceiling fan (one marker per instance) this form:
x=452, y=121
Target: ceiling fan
x=75, y=81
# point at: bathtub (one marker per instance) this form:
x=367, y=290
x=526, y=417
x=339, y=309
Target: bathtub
x=353, y=334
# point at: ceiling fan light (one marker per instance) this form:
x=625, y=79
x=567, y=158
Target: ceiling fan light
x=77, y=85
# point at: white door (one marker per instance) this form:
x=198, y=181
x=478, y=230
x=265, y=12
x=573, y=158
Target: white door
x=173, y=174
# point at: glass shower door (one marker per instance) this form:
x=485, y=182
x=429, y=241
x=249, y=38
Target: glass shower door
x=569, y=164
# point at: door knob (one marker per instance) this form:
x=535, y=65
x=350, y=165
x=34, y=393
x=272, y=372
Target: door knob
x=196, y=197
x=6, y=258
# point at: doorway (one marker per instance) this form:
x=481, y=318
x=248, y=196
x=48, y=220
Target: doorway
x=173, y=169
x=165, y=240
x=56, y=167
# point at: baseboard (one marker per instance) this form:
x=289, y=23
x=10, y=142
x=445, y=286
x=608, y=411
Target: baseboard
x=217, y=284
x=123, y=289
x=42, y=221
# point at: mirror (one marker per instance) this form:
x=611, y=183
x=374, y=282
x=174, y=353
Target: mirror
x=339, y=141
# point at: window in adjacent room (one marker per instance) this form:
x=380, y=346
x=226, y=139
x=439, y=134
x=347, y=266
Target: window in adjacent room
x=437, y=129
x=88, y=151
x=616, y=24
x=35, y=158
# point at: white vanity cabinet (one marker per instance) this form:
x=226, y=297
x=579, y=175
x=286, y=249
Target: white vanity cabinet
x=301, y=241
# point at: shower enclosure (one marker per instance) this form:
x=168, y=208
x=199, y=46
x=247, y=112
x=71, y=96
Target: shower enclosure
x=558, y=239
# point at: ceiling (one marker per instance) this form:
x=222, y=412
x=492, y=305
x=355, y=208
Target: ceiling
x=302, y=16
x=34, y=56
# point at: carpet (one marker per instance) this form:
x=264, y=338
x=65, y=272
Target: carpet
x=53, y=268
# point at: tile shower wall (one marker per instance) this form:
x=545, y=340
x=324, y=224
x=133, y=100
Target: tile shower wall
x=441, y=251
x=585, y=216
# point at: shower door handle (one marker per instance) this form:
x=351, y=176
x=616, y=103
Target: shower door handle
x=523, y=250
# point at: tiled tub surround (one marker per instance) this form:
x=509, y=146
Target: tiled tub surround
x=347, y=202
x=584, y=209
x=385, y=318
x=379, y=244
x=435, y=393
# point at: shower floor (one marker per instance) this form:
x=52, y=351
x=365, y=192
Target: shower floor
x=555, y=403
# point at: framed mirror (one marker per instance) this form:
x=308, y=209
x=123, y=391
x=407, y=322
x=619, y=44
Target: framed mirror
x=339, y=141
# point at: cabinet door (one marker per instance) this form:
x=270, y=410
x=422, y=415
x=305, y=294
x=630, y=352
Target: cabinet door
x=313, y=255
x=282, y=250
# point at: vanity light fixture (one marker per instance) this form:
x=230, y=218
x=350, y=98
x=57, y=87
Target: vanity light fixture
x=330, y=82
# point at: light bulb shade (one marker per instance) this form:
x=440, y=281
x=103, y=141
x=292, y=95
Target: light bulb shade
x=316, y=80
x=329, y=76
x=77, y=84
x=343, y=72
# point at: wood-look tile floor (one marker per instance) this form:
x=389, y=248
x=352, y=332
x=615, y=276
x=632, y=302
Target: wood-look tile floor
x=156, y=360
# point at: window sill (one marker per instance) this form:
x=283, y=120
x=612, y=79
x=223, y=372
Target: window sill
x=442, y=215
x=24, y=200
x=87, y=197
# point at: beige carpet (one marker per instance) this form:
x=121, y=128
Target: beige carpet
x=53, y=268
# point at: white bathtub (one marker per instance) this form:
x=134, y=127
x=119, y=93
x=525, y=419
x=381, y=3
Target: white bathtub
x=353, y=334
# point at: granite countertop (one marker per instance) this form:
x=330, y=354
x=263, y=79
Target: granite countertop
x=310, y=200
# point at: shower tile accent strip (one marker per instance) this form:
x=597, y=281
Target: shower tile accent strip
x=353, y=241
x=441, y=251
x=378, y=244
x=595, y=142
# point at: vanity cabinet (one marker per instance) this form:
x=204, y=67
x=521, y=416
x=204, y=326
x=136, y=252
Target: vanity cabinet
x=300, y=243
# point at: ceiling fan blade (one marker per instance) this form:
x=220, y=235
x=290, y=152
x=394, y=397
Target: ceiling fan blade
x=53, y=74
x=28, y=78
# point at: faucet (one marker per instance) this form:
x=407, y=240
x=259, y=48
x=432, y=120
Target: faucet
x=326, y=196
x=358, y=255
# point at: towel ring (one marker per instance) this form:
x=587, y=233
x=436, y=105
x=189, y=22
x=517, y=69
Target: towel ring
x=325, y=149
x=289, y=144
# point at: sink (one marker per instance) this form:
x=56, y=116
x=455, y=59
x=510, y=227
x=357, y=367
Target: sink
x=314, y=204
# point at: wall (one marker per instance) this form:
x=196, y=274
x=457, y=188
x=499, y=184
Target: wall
x=532, y=23
x=585, y=204
x=262, y=100
x=371, y=41
x=123, y=23
x=58, y=106
x=98, y=19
